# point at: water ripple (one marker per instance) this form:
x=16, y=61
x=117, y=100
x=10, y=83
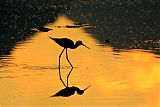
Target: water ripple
x=44, y=67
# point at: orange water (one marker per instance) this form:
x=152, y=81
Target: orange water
x=29, y=76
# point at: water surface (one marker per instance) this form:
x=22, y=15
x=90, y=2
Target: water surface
x=29, y=75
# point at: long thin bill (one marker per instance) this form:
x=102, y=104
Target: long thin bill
x=87, y=88
x=86, y=46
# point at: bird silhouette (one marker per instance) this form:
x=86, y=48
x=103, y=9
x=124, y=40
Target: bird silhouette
x=68, y=91
x=66, y=43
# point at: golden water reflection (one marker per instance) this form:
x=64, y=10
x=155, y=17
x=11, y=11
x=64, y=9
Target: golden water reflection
x=129, y=79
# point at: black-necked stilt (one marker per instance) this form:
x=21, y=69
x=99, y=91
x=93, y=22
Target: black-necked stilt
x=66, y=43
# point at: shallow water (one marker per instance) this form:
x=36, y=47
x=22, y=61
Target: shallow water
x=29, y=76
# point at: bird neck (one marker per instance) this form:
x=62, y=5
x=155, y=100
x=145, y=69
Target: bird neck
x=79, y=91
x=75, y=46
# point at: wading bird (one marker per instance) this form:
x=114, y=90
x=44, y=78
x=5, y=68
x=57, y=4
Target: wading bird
x=66, y=43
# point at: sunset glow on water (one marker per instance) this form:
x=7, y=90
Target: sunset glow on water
x=29, y=76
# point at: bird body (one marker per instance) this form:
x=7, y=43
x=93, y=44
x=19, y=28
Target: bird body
x=64, y=42
x=67, y=43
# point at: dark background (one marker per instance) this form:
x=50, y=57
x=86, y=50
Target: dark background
x=129, y=24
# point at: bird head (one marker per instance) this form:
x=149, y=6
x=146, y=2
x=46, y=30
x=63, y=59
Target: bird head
x=80, y=92
x=81, y=43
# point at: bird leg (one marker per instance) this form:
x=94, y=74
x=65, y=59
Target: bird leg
x=71, y=66
x=59, y=68
x=69, y=75
x=68, y=59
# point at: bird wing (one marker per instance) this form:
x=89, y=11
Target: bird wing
x=64, y=42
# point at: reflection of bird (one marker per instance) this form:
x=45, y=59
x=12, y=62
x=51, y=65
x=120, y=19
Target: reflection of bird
x=43, y=29
x=66, y=43
x=68, y=91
